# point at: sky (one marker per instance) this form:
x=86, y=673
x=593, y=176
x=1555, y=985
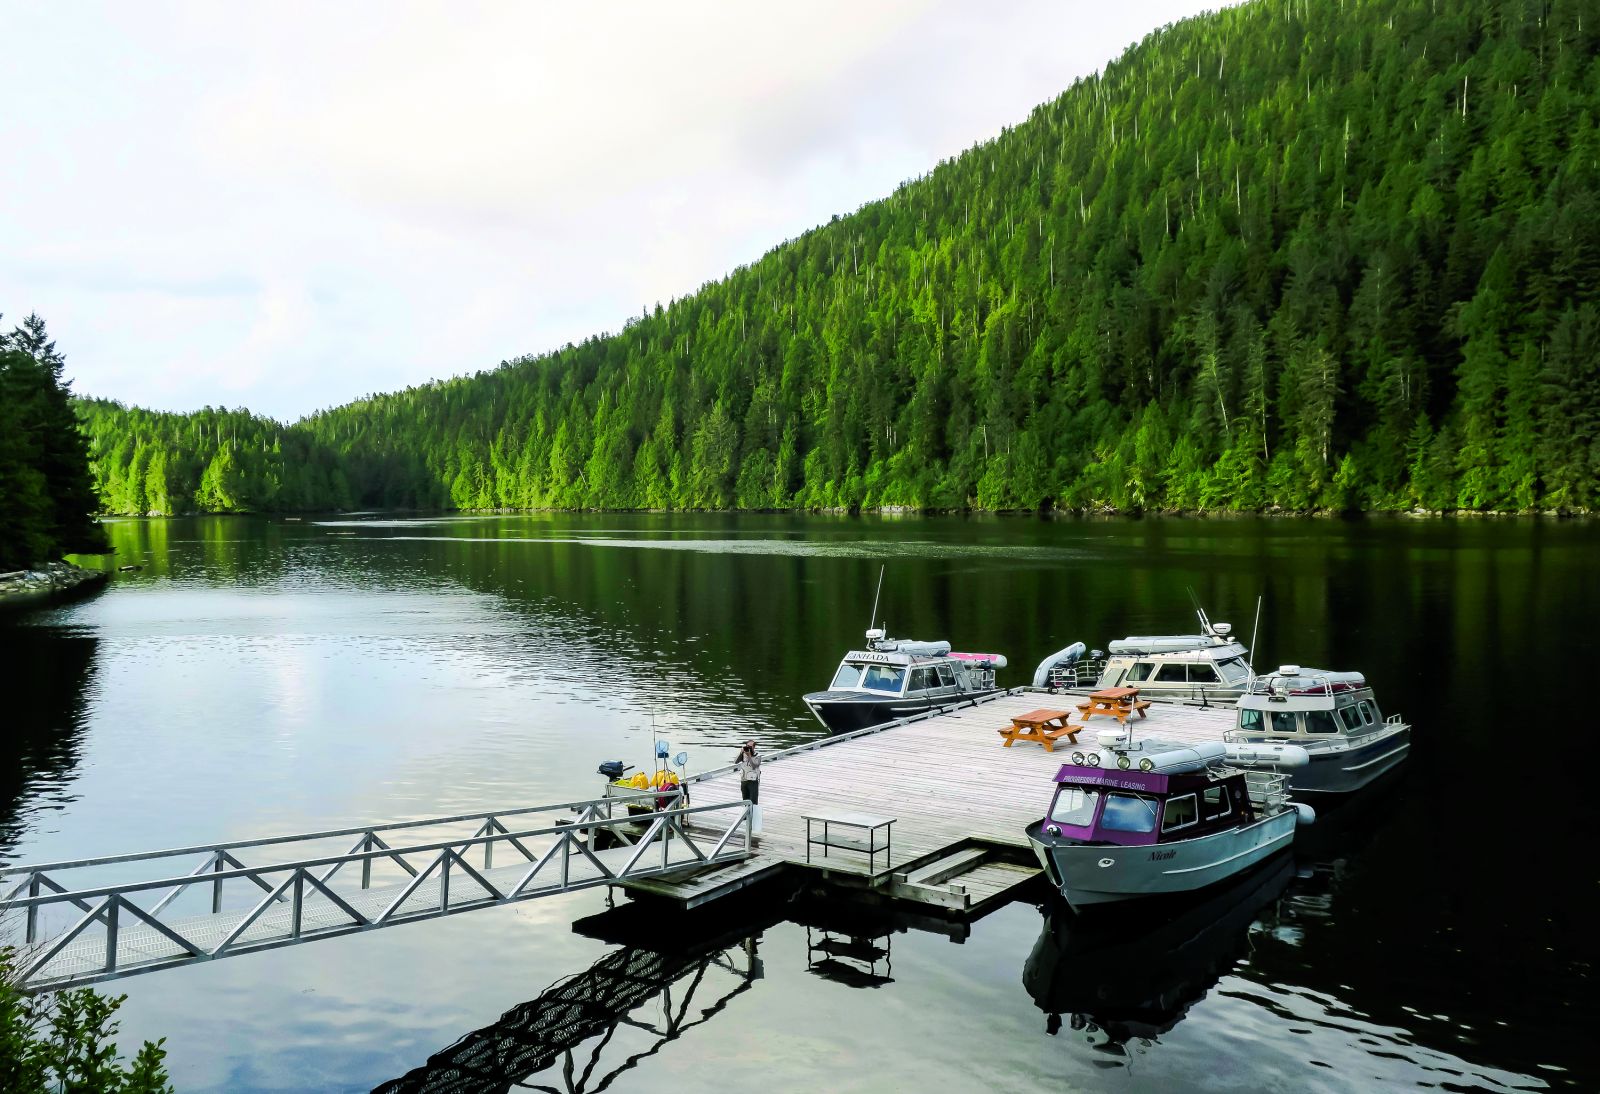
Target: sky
x=286, y=207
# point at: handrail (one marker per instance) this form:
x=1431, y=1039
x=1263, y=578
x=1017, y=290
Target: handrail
x=79, y=895
x=268, y=841
x=811, y=746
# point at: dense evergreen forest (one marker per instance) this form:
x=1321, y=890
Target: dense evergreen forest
x=46, y=499
x=1292, y=254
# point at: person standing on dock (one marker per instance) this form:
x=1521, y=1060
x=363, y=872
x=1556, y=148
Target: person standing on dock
x=748, y=762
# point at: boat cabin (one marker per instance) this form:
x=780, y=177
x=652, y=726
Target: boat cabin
x=1302, y=702
x=899, y=668
x=1135, y=808
x=1187, y=664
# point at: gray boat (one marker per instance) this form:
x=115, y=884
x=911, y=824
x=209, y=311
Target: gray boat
x=1159, y=821
x=1333, y=716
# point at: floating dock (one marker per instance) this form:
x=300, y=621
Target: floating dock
x=960, y=800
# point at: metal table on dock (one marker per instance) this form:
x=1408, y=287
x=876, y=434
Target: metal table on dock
x=869, y=823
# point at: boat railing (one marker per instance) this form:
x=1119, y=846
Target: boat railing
x=1274, y=685
x=1268, y=789
x=1080, y=674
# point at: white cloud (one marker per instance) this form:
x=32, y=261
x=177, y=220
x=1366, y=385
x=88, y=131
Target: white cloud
x=286, y=207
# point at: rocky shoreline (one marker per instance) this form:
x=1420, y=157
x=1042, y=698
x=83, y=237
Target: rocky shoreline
x=45, y=583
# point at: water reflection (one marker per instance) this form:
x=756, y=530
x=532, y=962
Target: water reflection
x=1135, y=973
x=677, y=972
x=52, y=669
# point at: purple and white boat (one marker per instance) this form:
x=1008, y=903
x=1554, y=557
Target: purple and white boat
x=1159, y=821
x=1333, y=716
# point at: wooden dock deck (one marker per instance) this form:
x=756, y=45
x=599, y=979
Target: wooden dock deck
x=946, y=778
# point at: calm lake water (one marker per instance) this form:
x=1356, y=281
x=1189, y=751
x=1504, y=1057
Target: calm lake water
x=261, y=677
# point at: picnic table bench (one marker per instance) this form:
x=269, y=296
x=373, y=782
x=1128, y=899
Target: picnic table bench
x=1045, y=726
x=1118, y=703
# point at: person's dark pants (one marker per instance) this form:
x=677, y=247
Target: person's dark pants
x=750, y=790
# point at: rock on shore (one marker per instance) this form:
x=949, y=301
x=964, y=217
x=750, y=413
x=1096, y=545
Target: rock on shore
x=46, y=582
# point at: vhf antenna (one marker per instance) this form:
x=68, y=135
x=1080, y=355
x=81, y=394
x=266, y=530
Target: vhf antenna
x=873, y=622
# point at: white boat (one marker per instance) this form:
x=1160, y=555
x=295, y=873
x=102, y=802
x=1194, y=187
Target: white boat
x=1212, y=666
x=1333, y=716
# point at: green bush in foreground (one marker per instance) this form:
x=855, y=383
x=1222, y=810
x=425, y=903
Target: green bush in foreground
x=63, y=1042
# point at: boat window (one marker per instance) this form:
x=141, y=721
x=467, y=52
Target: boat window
x=1366, y=712
x=1140, y=671
x=884, y=678
x=1179, y=813
x=1252, y=721
x=1202, y=673
x=1170, y=673
x=947, y=676
x=1075, y=805
x=1320, y=721
x=923, y=679
x=1216, y=802
x=1283, y=722
x=849, y=676
x=1352, y=720
x=1128, y=813
x=1234, y=670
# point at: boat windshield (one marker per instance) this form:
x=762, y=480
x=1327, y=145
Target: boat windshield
x=1128, y=813
x=1252, y=720
x=1234, y=670
x=884, y=678
x=849, y=676
x=1075, y=805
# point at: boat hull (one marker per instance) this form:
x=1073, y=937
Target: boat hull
x=846, y=711
x=1346, y=770
x=1091, y=874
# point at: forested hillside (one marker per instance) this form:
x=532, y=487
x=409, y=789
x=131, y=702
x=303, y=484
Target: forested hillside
x=214, y=461
x=1298, y=254
x=46, y=501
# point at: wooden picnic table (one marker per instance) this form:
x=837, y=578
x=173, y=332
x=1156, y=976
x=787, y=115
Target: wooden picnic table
x=1043, y=725
x=1118, y=703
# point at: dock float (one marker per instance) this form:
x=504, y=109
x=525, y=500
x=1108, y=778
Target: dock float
x=960, y=802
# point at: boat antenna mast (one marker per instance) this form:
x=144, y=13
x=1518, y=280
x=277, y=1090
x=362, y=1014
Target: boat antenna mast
x=1205, y=623
x=873, y=622
x=1255, y=631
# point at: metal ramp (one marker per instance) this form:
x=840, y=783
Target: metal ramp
x=88, y=920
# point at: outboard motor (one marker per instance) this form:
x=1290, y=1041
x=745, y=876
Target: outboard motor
x=614, y=769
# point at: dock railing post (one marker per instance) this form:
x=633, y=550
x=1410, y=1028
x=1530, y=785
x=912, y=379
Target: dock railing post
x=33, y=909
x=366, y=863
x=297, y=906
x=216, y=886
x=111, y=933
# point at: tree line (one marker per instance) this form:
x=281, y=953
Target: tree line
x=1290, y=254
x=47, y=501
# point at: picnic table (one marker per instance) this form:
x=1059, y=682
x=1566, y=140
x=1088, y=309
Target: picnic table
x=1045, y=726
x=1118, y=703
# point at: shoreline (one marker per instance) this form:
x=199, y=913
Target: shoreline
x=48, y=583
x=927, y=511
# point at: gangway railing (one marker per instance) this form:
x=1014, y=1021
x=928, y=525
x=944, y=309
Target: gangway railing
x=75, y=933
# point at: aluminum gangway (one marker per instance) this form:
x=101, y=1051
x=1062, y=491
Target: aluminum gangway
x=81, y=921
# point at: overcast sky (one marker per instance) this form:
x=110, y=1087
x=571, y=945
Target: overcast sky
x=287, y=207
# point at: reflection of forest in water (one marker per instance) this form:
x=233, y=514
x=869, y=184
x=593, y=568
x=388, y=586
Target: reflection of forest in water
x=49, y=670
